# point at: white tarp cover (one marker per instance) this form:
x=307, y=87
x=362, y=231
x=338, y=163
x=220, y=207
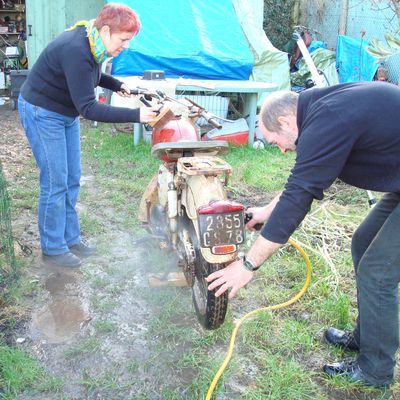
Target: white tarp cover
x=270, y=64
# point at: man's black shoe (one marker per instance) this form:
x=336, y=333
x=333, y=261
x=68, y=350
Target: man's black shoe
x=352, y=371
x=67, y=260
x=343, y=339
x=82, y=250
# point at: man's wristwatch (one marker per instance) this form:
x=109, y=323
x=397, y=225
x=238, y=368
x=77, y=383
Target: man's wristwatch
x=249, y=265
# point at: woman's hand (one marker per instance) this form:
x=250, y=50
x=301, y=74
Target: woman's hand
x=125, y=91
x=147, y=114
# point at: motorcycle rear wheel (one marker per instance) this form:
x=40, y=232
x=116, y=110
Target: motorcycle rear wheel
x=210, y=310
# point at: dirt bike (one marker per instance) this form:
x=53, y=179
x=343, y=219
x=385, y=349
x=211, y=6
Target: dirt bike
x=186, y=203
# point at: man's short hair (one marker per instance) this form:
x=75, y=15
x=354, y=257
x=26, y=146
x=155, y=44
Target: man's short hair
x=278, y=104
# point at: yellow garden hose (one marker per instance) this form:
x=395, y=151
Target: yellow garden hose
x=257, y=311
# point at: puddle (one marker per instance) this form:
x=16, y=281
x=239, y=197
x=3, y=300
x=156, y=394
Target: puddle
x=59, y=282
x=60, y=320
x=65, y=314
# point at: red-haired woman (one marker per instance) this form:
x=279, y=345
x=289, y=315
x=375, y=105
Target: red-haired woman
x=59, y=88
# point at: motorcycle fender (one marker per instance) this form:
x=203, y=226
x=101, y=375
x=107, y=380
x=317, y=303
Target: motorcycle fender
x=210, y=257
x=217, y=258
x=199, y=190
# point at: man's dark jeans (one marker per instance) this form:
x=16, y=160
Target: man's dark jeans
x=376, y=258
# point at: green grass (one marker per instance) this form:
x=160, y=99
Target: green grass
x=105, y=326
x=19, y=371
x=285, y=380
x=89, y=345
x=278, y=355
x=272, y=349
x=265, y=169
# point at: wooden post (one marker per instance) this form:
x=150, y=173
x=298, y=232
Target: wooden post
x=296, y=13
x=343, y=17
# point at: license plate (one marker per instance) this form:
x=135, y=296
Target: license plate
x=221, y=229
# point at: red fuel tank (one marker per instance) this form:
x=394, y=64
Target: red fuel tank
x=175, y=131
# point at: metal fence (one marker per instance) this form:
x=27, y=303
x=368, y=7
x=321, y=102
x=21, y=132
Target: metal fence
x=8, y=264
x=365, y=19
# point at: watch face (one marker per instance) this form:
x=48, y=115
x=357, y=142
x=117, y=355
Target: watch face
x=249, y=266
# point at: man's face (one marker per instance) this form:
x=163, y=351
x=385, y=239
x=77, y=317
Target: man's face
x=287, y=135
x=115, y=42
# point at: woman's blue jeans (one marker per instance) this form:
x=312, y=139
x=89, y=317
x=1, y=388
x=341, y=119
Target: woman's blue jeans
x=55, y=142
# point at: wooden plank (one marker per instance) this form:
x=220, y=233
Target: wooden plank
x=170, y=279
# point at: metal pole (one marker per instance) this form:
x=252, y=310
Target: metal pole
x=310, y=63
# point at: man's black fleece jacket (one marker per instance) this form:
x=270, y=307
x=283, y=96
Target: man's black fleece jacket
x=64, y=77
x=348, y=131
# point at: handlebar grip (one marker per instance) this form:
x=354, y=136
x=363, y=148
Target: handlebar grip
x=210, y=118
x=214, y=123
x=248, y=217
x=144, y=101
x=135, y=91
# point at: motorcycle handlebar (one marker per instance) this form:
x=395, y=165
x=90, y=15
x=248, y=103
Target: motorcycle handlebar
x=247, y=217
x=211, y=119
x=140, y=91
x=158, y=94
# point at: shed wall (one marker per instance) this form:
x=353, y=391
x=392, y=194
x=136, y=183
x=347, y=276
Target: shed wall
x=46, y=19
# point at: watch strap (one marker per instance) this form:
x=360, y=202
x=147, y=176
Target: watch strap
x=249, y=265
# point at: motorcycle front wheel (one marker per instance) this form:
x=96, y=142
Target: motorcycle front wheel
x=210, y=310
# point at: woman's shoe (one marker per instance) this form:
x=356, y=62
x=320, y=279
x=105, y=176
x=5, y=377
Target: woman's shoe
x=67, y=260
x=82, y=250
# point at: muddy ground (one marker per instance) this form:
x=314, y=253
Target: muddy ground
x=88, y=326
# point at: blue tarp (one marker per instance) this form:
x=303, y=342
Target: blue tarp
x=198, y=39
x=353, y=62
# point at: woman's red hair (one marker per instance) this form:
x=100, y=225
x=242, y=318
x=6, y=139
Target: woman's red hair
x=119, y=18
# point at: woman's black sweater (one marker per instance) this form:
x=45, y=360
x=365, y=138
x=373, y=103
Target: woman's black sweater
x=64, y=77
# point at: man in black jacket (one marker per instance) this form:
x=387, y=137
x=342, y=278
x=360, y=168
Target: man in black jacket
x=352, y=132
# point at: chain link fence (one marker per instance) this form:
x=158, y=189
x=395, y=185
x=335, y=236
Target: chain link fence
x=8, y=264
x=365, y=22
x=334, y=22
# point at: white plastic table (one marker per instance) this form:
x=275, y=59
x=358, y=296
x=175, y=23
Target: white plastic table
x=249, y=89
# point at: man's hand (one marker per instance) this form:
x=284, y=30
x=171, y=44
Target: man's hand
x=258, y=215
x=233, y=277
x=261, y=214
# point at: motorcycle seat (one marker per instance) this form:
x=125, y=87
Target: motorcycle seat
x=172, y=151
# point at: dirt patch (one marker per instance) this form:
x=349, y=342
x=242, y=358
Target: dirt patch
x=88, y=327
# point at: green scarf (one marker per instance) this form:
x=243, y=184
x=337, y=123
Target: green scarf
x=96, y=44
